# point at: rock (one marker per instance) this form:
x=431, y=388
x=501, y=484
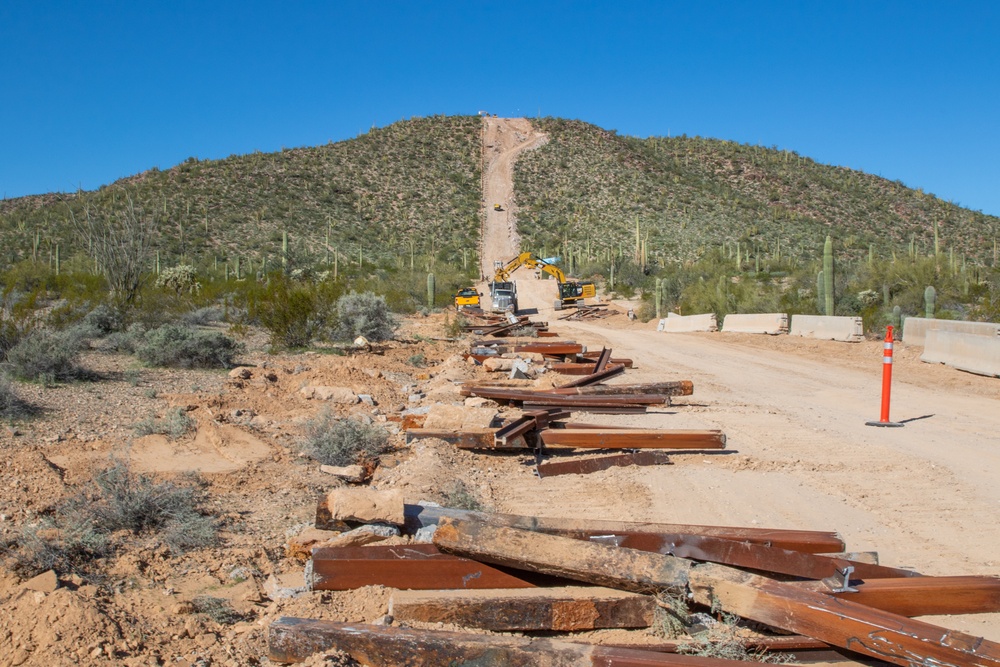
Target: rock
x=300, y=546
x=366, y=505
x=497, y=365
x=415, y=398
x=240, y=373
x=362, y=535
x=288, y=585
x=459, y=417
x=331, y=394
x=354, y=474
x=207, y=639
x=367, y=398
x=46, y=582
x=361, y=341
x=480, y=402
x=271, y=377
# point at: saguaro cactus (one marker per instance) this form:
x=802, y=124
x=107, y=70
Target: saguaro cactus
x=820, y=300
x=896, y=318
x=930, y=295
x=658, y=297
x=430, y=290
x=828, y=276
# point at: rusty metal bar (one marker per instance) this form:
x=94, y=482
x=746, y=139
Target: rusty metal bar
x=553, y=555
x=568, y=400
x=549, y=348
x=596, y=409
x=594, y=378
x=632, y=439
x=415, y=566
x=838, y=621
x=584, y=466
x=639, y=535
x=602, y=360
x=295, y=639
x=775, y=560
x=466, y=439
x=923, y=596
x=678, y=388
x=559, y=609
x=582, y=368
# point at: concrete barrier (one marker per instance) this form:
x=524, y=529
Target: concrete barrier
x=761, y=323
x=967, y=352
x=847, y=329
x=915, y=328
x=685, y=323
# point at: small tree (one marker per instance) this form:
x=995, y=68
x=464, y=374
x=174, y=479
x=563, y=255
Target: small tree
x=120, y=242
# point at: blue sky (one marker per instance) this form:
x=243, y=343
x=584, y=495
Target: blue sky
x=94, y=91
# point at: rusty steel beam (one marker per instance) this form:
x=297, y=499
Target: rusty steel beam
x=555, y=349
x=602, y=360
x=775, y=560
x=598, y=409
x=635, y=535
x=560, y=609
x=415, y=566
x=590, y=438
x=296, y=639
x=679, y=388
x=923, y=596
x=592, y=356
x=466, y=439
x=530, y=420
x=606, y=373
x=569, y=400
x=839, y=622
x=585, y=466
x=563, y=557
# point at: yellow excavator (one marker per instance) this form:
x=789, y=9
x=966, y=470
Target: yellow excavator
x=571, y=292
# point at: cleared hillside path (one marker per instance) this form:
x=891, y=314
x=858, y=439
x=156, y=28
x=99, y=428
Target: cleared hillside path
x=503, y=140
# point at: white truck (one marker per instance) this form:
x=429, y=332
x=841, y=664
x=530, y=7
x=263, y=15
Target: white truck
x=503, y=297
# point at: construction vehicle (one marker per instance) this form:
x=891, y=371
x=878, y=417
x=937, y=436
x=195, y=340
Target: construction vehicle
x=571, y=292
x=497, y=207
x=503, y=296
x=467, y=297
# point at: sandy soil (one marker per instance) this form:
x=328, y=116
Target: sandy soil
x=503, y=140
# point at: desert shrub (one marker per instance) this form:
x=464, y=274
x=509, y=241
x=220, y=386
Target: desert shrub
x=417, y=360
x=124, y=341
x=458, y=495
x=291, y=312
x=217, y=609
x=173, y=424
x=341, y=442
x=102, y=321
x=365, y=315
x=48, y=355
x=202, y=316
x=119, y=504
x=12, y=406
x=456, y=327
x=136, y=503
x=179, y=345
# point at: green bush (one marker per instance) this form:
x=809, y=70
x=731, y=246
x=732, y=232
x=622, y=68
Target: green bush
x=12, y=406
x=178, y=345
x=48, y=355
x=120, y=503
x=365, y=315
x=173, y=424
x=342, y=442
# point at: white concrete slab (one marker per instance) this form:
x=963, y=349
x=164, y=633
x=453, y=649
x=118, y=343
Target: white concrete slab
x=687, y=323
x=847, y=329
x=760, y=323
x=968, y=352
x=915, y=328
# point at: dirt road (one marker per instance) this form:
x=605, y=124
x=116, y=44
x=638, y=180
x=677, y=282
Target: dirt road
x=503, y=140
x=924, y=496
